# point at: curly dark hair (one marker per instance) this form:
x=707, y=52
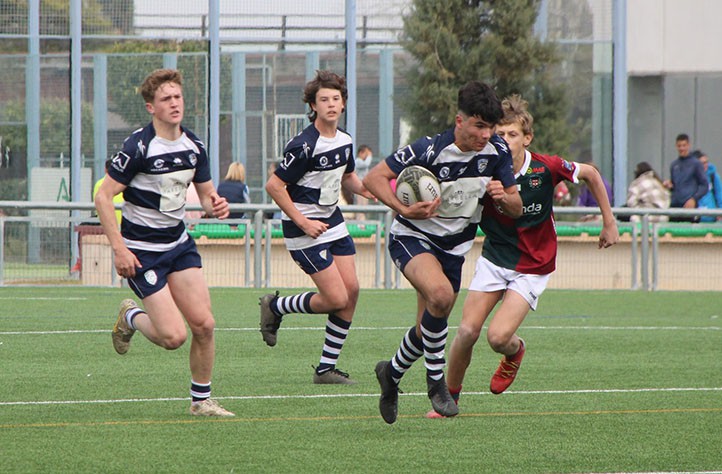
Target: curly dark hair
x=323, y=80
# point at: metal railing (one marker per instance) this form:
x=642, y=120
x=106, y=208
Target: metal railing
x=47, y=240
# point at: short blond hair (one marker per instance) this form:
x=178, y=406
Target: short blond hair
x=516, y=111
x=236, y=172
x=157, y=78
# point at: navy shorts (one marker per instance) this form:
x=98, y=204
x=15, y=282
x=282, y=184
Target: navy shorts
x=158, y=265
x=320, y=257
x=403, y=248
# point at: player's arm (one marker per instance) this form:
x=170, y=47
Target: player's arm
x=610, y=233
x=276, y=188
x=352, y=182
x=125, y=261
x=378, y=182
x=214, y=204
x=508, y=199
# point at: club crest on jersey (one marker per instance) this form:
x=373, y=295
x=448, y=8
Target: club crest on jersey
x=193, y=159
x=151, y=277
x=535, y=182
x=482, y=164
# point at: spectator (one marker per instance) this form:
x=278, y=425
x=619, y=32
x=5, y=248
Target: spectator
x=687, y=179
x=234, y=188
x=587, y=199
x=364, y=157
x=562, y=196
x=647, y=191
x=713, y=198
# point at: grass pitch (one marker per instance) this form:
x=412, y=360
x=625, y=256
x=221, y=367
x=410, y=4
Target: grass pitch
x=611, y=382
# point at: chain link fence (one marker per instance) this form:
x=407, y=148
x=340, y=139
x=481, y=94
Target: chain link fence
x=268, y=50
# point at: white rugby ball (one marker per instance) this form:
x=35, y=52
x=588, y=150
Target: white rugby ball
x=416, y=184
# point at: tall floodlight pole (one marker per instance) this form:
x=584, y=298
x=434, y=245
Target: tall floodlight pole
x=351, y=67
x=214, y=88
x=76, y=102
x=619, y=126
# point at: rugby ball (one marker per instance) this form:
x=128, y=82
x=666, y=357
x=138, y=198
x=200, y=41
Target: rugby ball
x=416, y=184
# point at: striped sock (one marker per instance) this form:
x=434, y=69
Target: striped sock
x=130, y=316
x=300, y=303
x=410, y=350
x=336, y=332
x=200, y=391
x=433, y=334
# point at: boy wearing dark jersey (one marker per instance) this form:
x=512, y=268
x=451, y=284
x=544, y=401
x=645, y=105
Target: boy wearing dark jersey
x=428, y=240
x=306, y=185
x=152, y=249
x=518, y=255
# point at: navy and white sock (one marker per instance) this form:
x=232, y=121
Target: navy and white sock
x=200, y=391
x=410, y=350
x=300, y=303
x=433, y=334
x=130, y=316
x=336, y=332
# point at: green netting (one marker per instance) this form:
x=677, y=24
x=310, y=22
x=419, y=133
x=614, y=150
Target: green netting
x=361, y=230
x=218, y=231
x=689, y=231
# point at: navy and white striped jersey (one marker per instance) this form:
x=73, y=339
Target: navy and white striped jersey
x=157, y=173
x=313, y=167
x=463, y=177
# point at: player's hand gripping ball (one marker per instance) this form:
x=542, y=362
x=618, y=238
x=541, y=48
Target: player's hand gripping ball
x=416, y=184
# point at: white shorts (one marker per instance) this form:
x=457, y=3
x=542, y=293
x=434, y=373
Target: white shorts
x=489, y=277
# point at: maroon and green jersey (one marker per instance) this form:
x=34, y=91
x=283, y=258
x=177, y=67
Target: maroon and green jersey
x=528, y=244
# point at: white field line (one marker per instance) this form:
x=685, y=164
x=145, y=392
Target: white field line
x=397, y=328
x=43, y=298
x=356, y=395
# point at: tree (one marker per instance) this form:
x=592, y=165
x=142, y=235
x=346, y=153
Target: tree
x=493, y=41
x=131, y=61
x=98, y=17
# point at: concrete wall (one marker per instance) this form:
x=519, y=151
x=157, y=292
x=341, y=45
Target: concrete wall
x=673, y=36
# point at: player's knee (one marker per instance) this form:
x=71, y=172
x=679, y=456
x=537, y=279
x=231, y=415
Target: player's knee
x=337, y=301
x=352, y=294
x=172, y=342
x=204, y=328
x=468, y=334
x=498, y=340
x=439, y=301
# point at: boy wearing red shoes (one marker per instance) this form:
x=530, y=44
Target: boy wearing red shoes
x=518, y=255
